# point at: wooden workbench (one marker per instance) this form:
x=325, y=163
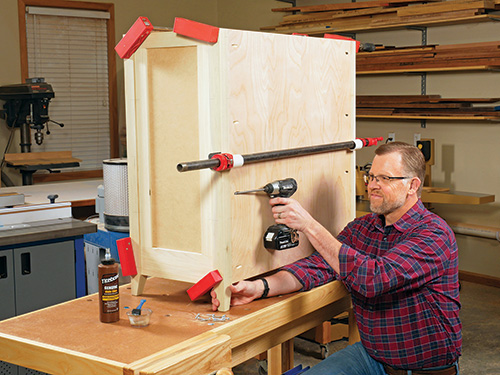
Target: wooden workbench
x=69, y=339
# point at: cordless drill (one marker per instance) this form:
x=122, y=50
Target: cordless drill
x=278, y=236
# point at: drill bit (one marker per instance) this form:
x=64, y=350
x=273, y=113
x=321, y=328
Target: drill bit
x=249, y=191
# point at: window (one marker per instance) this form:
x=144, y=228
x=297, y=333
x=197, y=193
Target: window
x=73, y=50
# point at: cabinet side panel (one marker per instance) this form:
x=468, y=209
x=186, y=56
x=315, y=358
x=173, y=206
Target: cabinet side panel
x=289, y=92
x=175, y=197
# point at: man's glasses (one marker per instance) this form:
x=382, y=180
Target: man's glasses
x=382, y=178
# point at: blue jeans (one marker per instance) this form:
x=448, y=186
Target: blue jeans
x=353, y=360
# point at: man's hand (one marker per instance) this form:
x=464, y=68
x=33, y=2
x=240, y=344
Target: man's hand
x=289, y=212
x=241, y=293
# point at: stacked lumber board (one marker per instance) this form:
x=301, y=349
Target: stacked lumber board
x=426, y=107
x=473, y=56
x=382, y=15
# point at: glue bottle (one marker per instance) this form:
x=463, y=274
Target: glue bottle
x=109, y=291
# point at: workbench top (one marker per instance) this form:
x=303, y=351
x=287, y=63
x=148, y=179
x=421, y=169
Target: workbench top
x=69, y=338
x=76, y=326
x=46, y=230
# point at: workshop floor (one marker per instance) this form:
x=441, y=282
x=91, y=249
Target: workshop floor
x=480, y=316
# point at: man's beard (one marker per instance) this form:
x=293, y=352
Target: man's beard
x=387, y=207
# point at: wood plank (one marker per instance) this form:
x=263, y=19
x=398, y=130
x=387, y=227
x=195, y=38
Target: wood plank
x=457, y=197
x=306, y=20
x=40, y=158
x=185, y=358
x=428, y=117
x=330, y=7
x=344, y=6
x=428, y=69
x=430, y=62
x=274, y=357
x=360, y=99
x=479, y=278
x=445, y=6
x=471, y=100
x=452, y=19
x=411, y=105
x=394, y=98
x=424, y=19
x=423, y=64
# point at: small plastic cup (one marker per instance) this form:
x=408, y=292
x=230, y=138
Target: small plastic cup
x=140, y=320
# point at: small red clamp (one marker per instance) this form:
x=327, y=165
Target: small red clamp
x=126, y=256
x=341, y=37
x=226, y=161
x=134, y=37
x=209, y=281
x=196, y=30
x=370, y=141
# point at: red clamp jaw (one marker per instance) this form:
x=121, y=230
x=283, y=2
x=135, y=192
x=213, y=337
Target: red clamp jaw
x=370, y=141
x=365, y=142
x=226, y=161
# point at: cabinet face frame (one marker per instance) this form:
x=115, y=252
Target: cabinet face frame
x=249, y=92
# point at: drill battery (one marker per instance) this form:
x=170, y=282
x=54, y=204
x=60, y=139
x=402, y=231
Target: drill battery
x=280, y=237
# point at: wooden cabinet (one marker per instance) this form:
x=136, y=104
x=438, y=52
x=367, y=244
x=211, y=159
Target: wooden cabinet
x=249, y=92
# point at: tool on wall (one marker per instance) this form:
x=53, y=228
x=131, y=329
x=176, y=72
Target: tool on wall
x=278, y=236
x=223, y=161
x=361, y=185
x=427, y=148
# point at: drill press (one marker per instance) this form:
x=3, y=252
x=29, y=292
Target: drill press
x=27, y=107
x=278, y=236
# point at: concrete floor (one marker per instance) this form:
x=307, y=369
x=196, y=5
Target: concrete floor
x=480, y=316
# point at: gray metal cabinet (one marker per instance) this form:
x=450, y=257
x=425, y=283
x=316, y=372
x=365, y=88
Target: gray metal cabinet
x=7, y=291
x=33, y=277
x=36, y=276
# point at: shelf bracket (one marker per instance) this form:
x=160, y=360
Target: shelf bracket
x=423, y=76
x=423, y=30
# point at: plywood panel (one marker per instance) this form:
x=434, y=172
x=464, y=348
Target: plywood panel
x=175, y=199
x=287, y=92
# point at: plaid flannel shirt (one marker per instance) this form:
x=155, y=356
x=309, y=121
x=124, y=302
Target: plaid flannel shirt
x=403, y=279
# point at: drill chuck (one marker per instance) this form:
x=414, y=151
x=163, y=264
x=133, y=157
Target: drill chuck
x=279, y=188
